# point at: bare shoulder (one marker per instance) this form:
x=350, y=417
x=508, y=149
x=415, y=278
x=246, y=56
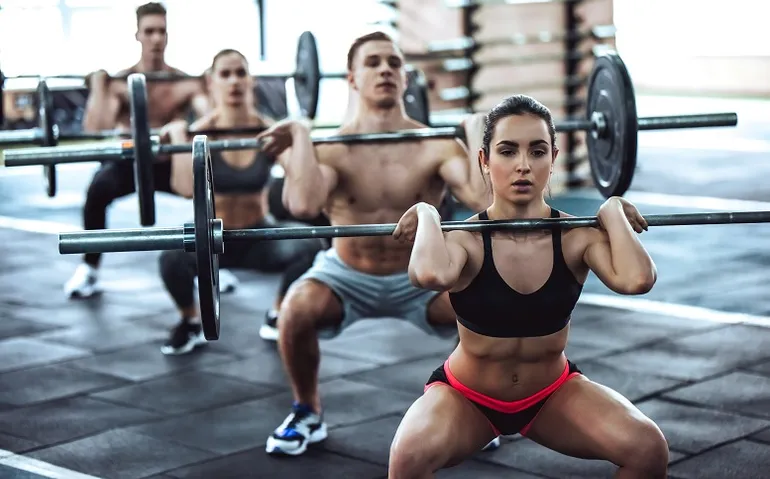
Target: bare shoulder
x=581, y=238
x=465, y=238
x=331, y=154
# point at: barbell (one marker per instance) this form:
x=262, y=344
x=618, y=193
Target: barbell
x=611, y=122
x=207, y=238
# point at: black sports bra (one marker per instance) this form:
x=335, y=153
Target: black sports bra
x=490, y=307
x=251, y=179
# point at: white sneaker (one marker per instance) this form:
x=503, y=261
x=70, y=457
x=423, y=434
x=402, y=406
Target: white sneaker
x=228, y=282
x=269, y=329
x=84, y=283
x=493, y=444
x=300, y=428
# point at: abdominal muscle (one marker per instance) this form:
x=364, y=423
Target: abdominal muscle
x=375, y=255
x=508, y=369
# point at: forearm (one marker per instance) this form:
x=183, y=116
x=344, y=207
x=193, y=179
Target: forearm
x=98, y=115
x=629, y=258
x=304, y=185
x=430, y=262
x=182, y=182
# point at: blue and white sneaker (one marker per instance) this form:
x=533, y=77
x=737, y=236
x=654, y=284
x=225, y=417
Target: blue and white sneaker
x=493, y=444
x=300, y=428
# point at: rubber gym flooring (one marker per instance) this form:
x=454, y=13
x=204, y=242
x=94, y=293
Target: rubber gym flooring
x=85, y=392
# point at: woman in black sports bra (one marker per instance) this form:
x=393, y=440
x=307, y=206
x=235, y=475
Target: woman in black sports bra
x=513, y=294
x=240, y=187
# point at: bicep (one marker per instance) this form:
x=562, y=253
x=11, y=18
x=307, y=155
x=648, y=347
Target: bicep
x=455, y=170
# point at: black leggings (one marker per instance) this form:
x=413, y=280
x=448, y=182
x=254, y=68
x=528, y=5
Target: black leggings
x=292, y=257
x=114, y=180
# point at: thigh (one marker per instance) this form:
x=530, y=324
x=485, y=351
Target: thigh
x=114, y=179
x=587, y=420
x=442, y=427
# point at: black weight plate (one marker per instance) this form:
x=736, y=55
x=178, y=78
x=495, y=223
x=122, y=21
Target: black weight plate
x=612, y=155
x=205, y=251
x=45, y=124
x=307, y=79
x=416, y=96
x=143, y=157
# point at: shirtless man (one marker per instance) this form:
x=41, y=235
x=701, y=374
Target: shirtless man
x=355, y=184
x=108, y=108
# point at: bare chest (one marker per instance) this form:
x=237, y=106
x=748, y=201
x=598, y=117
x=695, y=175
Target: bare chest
x=391, y=176
x=166, y=102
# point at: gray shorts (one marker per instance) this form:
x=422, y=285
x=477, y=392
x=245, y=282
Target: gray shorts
x=366, y=296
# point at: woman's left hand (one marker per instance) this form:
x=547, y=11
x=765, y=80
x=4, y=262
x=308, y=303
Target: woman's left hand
x=406, y=229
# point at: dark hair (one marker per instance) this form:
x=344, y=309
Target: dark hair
x=369, y=37
x=516, y=105
x=152, y=8
x=226, y=51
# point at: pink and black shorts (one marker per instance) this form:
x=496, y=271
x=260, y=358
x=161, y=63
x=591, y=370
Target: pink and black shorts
x=505, y=417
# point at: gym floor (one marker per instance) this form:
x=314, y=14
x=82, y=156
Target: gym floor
x=85, y=392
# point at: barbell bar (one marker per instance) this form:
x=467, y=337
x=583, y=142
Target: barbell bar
x=207, y=237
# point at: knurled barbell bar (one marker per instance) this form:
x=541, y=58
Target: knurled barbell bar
x=208, y=239
x=612, y=124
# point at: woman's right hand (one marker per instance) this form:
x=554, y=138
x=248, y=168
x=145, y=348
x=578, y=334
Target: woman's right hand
x=174, y=132
x=406, y=229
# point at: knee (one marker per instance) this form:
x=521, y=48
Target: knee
x=300, y=310
x=170, y=263
x=100, y=192
x=647, y=449
x=410, y=458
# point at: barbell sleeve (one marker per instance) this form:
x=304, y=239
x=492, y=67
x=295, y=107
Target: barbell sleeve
x=128, y=240
x=13, y=137
x=67, y=154
x=687, y=121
